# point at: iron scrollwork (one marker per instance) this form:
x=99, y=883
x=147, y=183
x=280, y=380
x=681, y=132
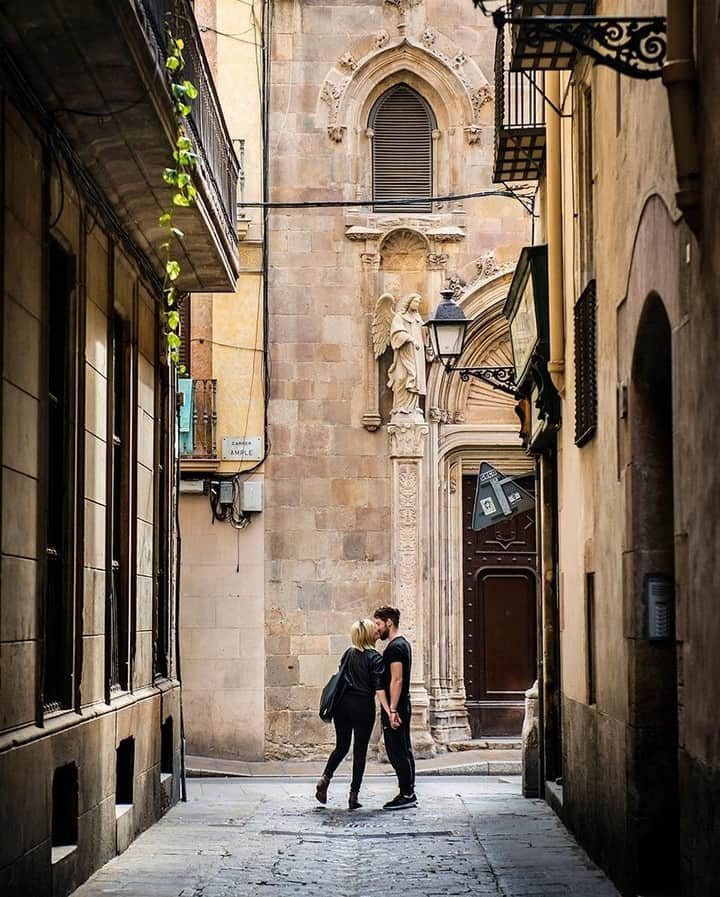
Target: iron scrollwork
x=500, y=378
x=630, y=45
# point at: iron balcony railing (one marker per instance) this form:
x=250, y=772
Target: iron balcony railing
x=218, y=162
x=198, y=425
x=585, y=318
x=532, y=49
x=519, y=119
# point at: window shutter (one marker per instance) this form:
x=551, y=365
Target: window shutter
x=184, y=334
x=402, y=126
x=585, y=366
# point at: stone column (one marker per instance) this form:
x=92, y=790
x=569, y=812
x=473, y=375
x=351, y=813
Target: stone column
x=407, y=444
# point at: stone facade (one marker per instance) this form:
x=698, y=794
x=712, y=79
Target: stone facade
x=335, y=540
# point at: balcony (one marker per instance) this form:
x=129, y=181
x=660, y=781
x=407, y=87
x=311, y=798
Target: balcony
x=519, y=120
x=198, y=424
x=532, y=49
x=97, y=69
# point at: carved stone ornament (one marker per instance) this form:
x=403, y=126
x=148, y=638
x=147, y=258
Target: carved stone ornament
x=403, y=5
x=428, y=38
x=449, y=234
x=456, y=284
x=406, y=546
x=407, y=440
x=381, y=38
x=370, y=260
x=473, y=133
x=336, y=132
x=460, y=60
x=481, y=97
x=437, y=260
x=357, y=233
x=487, y=265
x=348, y=61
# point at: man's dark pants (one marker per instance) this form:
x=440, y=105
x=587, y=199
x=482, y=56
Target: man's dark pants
x=399, y=750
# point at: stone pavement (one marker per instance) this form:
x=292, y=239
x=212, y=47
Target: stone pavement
x=269, y=838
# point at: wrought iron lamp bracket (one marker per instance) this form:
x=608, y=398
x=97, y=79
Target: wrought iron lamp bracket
x=633, y=46
x=500, y=378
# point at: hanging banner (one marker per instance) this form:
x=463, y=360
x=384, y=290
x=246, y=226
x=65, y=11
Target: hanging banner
x=497, y=498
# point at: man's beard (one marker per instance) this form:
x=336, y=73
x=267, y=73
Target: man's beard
x=384, y=636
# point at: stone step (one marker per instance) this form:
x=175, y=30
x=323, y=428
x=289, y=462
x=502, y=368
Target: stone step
x=486, y=744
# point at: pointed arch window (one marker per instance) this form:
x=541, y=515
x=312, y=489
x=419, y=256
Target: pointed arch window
x=402, y=159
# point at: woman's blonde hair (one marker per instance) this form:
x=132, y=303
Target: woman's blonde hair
x=362, y=634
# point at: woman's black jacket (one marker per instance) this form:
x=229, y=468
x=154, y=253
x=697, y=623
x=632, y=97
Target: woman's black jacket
x=364, y=672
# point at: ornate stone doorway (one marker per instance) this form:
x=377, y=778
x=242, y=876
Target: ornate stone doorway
x=499, y=619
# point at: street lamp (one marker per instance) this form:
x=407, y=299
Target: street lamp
x=448, y=327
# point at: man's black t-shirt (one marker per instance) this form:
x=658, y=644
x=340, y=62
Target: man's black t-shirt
x=399, y=650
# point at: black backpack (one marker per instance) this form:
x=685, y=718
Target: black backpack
x=334, y=690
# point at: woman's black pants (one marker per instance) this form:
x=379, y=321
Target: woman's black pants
x=354, y=715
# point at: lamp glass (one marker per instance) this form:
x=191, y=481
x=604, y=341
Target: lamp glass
x=448, y=337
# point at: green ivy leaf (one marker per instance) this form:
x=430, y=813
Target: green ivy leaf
x=165, y=219
x=190, y=89
x=172, y=269
x=172, y=63
x=184, y=109
x=180, y=200
x=180, y=43
x=179, y=90
x=165, y=246
x=191, y=191
x=173, y=320
x=183, y=142
x=173, y=340
x=183, y=180
x=181, y=369
x=170, y=175
x=170, y=296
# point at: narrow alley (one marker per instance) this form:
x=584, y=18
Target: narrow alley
x=249, y=836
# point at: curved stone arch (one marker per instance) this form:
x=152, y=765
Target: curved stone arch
x=483, y=305
x=454, y=86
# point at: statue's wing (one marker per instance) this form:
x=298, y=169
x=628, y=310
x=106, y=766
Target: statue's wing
x=382, y=319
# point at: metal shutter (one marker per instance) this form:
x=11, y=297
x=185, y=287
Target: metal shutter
x=402, y=150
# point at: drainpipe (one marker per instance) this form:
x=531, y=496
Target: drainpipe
x=556, y=364
x=680, y=79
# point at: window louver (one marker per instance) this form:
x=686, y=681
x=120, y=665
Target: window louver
x=402, y=150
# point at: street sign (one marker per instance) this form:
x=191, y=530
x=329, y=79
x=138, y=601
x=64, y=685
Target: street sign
x=498, y=498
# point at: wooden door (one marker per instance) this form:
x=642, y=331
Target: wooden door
x=500, y=640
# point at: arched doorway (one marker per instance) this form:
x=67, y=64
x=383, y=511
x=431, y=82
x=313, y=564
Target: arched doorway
x=653, y=690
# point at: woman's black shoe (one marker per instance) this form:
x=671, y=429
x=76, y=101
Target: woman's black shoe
x=321, y=789
x=353, y=802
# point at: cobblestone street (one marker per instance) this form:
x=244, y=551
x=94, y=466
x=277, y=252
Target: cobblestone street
x=238, y=837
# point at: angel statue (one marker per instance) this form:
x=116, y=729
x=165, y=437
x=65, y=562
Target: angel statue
x=399, y=325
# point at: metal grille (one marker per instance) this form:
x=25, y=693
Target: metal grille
x=585, y=365
x=402, y=125
x=519, y=119
x=533, y=51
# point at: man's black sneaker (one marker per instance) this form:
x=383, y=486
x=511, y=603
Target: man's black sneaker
x=401, y=802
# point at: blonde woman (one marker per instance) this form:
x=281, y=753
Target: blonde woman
x=354, y=713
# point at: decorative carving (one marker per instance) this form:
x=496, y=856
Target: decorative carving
x=438, y=415
x=481, y=97
x=407, y=505
x=456, y=284
x=473, y=133
x=407, y=539
x=450, y=234
x=407, y=440
x=370, y=260
x=399, y=325
x=428, y=38
x=452, y=484
x=347, y=61
x=459, y=60
x=403, y=5
x=437, y=260
x=487, y=265
x=336, y=132
x=356, y=233
x=381, y=38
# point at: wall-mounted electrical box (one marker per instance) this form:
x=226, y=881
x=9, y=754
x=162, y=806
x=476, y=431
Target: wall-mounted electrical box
x=251, y=496
x=227, y=492
x=660, y=602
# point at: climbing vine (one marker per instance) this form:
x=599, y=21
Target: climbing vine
x=179, y=178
